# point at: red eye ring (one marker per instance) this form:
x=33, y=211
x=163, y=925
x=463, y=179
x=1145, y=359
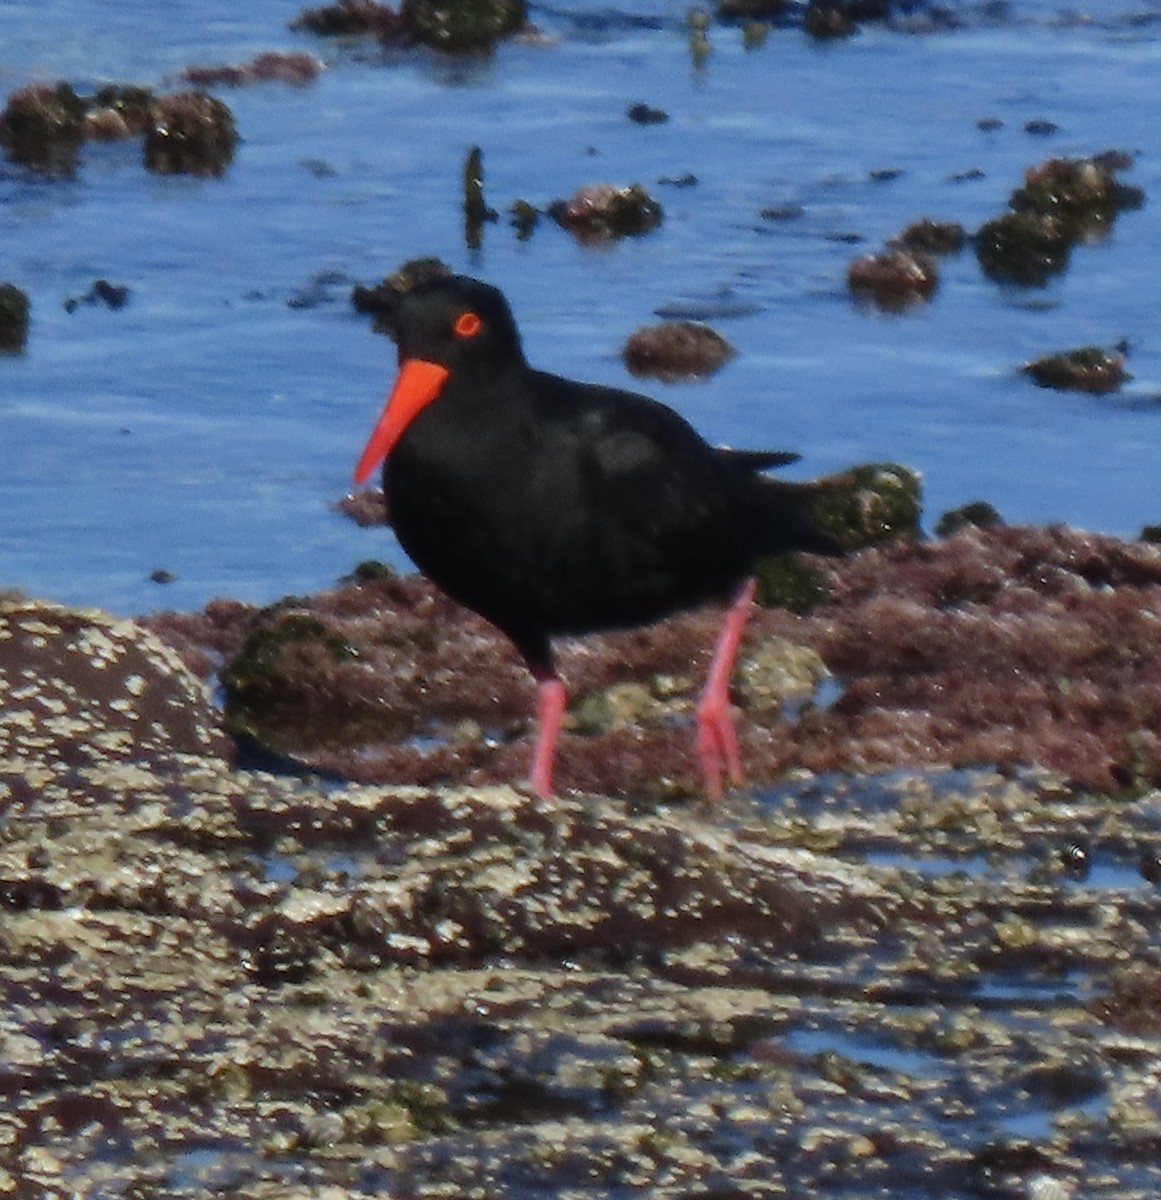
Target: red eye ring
x=467, y=324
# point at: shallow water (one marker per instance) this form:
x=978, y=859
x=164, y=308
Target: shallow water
x=206, y=428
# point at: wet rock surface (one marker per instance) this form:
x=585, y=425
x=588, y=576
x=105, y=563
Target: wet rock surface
x=219, y=981
x=931, y=981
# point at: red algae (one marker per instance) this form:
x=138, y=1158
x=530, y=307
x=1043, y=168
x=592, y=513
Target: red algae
x=1001, y=645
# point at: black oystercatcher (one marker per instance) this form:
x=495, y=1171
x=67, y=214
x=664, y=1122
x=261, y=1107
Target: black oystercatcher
x=556, y=507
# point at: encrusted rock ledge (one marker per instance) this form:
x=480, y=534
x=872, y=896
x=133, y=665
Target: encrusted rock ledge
x=939, y=982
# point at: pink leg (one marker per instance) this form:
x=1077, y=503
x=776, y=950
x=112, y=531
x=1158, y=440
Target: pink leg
x=717, y=744
x=550, y=702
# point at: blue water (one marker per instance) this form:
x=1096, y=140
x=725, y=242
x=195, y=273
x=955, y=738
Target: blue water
x=207, y=428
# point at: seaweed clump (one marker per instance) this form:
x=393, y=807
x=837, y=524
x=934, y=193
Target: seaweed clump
x=870, y=504
x=380, y=299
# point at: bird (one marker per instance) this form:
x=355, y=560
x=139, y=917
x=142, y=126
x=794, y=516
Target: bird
x=553, y=507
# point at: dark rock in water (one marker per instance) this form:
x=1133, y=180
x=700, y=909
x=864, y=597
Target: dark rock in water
x=113, y=296
x=192, y=133
x=1087, y=369
x=42, y=127
x=644, y=114
x=1025, y=248
x=381, y=299
x=824, y=20
x=351, y=18
x=1061, y=202
x=366, y=506
x=895, y=278
x=122, y=109
x=291, y=67
x=676, y=350
x=462, y=26
x=14, y=310
x=601, y=212
x=933, y=237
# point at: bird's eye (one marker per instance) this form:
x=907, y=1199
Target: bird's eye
x=467, y=324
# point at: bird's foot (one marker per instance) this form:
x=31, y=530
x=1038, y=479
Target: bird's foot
x=717, y=744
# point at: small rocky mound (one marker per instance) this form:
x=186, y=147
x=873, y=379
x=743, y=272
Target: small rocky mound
x=83, y=688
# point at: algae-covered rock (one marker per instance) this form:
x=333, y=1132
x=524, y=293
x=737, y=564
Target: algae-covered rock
x=1086, y=369
x=191, y=133
x=870, y=504
x=603, y=212
x=1023, y=247
x=460, y=26
x=895, y=278
x=977, y=513
x=42, y=126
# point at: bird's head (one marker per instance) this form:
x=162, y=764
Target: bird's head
x=451, y=324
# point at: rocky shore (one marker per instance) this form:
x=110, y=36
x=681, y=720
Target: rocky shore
x=920, y=958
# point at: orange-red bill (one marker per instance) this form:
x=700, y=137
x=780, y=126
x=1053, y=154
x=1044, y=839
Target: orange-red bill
x=416, y=386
